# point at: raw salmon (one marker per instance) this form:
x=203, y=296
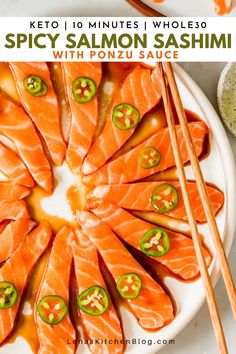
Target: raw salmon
x=181, y=258
x=58, y=84
x=56, y=282
x=17, y=271
x=137, y=196
x=44, y=110
x=3, y=225
x=12, y=191
x=88, y=274
x=8, y=84
x=16, y=125
x=126, y=168
x=12, y=236
x=138, y=90
x=84, y=115
x=13, y=210
x=223, y=7
x=13, y=167
x=152, y=308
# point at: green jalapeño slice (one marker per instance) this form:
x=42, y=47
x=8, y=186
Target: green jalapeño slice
x=149, y=157
x=125, y=116
x=8, y=295
x=129, y=285
x=52, y=309
x=83, y=89
x=155, y=242
x=35, y=86
x=94, y=300
x=165, y=198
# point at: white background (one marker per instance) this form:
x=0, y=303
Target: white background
x=198, y=337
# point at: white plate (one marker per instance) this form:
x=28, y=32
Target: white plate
x=219, y=169
x=187, y=7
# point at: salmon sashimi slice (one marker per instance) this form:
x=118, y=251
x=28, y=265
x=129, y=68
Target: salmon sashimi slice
x=138, y=90
x=13, y=235
x=180, y=259
x=16, y=125
x=13, y=210
x=3, y=225
x=152, y=307
x=12, y=191
x=223, y=7
x=127, y=168
x=14, y=168
x=58, y=84
x=43, y=110
x=17, y=269
x=56, y=283
x=8, y=84
x=84, y=115
x=138, y=196
x=88, y=274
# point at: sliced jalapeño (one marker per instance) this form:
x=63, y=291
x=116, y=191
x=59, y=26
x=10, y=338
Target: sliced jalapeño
x=149, y=157
x=164, y=198
x=8, y=294
x=125, y=116
x=52, y=309
x=35, y=86
x=155, y=242
x=83, y=89
x=129, y=285
x=93, y=300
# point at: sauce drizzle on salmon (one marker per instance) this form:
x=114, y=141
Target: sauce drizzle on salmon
x=152, y=308
x=181, y=258
x=88, y=274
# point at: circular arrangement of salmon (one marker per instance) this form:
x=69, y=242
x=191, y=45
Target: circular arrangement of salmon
x=106, y=123
x=222, y=7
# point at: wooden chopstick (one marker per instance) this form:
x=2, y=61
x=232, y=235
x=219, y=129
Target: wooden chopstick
x=225, y=270
x=144, y=9
x=215, y=317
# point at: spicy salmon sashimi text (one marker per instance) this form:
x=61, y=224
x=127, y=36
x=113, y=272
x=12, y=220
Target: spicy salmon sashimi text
x=91, y=209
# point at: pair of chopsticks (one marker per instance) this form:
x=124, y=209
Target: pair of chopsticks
x=144, y=9
x=213, y=309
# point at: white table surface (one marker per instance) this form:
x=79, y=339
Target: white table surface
x=198, y=337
